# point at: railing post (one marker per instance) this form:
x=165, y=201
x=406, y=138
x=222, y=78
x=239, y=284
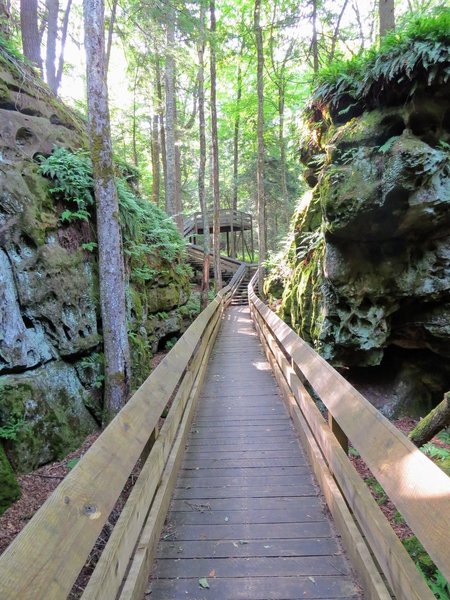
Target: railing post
x=338, y=433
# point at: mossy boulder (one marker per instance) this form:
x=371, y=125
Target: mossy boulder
x=368, y=269
x=49, y=402
x=9, y=488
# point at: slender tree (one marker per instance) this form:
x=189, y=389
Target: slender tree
x=64, y=30
x=314, y=41
x=215, y=151
x=202, y=158
x=4, y=19
x=111, y=266
x=260, y=136
x=156, y=151
x=160, y=110
x=52, y=36
x=387, y=16
x=171, y=179
x=31, y=39
x=112, y=21
x=237, y=123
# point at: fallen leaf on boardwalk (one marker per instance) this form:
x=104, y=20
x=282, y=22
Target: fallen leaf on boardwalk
x=312, y=579
x=266, y=546
x=203, y=583
x=235, y=545
x=212, y=573
x=226, y=519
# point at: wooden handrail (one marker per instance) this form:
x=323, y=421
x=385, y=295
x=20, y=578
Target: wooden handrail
x=46, y=557
x=418, y=488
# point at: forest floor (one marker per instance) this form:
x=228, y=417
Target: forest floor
x=37, y=486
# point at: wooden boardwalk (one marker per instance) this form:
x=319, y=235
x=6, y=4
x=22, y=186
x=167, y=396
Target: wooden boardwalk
x=246, y=518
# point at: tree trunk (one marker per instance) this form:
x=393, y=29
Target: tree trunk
x=387, y=16
x=171, y=166
x=65, y=27
x=234, y=201
x=133, y=125
x=179, y=219
x=433, y=423
x=112, y=20
x=281, y=140
x=31, y=43
x=202, y=160
x=162, y=131
x=110, y=256
x=52, y=36
x=4, y=19
x=260, y=136
x=314, y=42
x=215, y=151
x=156, y=150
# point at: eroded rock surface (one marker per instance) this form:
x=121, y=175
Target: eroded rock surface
x=370, y=261
x=50, y=344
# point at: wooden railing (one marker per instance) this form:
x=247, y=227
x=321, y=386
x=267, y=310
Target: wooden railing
x=45, y=559
x=234, y=219
x=417, y=487
x=195, y=253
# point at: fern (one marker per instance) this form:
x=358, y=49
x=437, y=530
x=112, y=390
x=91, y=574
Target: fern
x=11, y=428
x=435, y=451
x=419, y=44
x=149, y=234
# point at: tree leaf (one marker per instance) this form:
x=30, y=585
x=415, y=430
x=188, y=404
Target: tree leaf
x=203, y=583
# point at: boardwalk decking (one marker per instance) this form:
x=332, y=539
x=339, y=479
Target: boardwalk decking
x=246, y=514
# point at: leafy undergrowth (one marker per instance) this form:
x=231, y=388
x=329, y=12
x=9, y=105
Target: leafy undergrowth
x=437, y=450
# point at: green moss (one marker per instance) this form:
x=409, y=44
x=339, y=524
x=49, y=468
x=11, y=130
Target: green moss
x=9, y=488
x=140, y=353
x=419, y=555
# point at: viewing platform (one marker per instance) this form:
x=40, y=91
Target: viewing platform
x=234, y=222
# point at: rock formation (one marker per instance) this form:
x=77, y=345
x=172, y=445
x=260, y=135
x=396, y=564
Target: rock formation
x=369, y=281
x=50, y=332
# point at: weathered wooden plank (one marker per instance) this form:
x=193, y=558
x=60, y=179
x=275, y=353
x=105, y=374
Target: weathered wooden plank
x=285, y=503
x=195, y=454
x=253, y=567
x=197, y=440
x=219, y=517
x=296, y=461
x=254, y=531
x=259, y=588
x=263, y=472
x=251, y=443
x=419, y=489
x=240, y=481
x=206, y=430
x=268, y=491
x=252, y=548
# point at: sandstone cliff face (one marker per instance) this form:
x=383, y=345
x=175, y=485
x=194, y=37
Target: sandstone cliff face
x=50, y=343
x=370, y=270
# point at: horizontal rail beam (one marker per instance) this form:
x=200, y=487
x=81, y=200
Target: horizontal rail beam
x=46, y=557
x=419, y=489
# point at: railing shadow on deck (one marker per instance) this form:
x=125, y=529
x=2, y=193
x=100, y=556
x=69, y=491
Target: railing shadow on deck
x=45, y=559
x=417, y=487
